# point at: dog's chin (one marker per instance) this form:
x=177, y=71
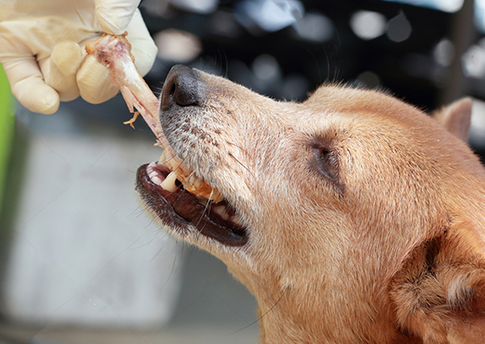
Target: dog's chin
x=186, y=213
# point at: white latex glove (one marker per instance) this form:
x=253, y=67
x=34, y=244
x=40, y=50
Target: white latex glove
x=42, y=48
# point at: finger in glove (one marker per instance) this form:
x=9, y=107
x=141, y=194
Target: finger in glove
x=93, y=82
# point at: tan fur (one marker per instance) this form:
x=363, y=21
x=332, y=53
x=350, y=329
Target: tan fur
x=392, y=251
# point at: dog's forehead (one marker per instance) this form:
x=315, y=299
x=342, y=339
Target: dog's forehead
x=368, y=116
x=368, y=107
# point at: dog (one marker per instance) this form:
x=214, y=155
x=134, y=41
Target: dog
x=353, y=217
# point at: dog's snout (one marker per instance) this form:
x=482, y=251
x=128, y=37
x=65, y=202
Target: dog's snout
x=182, y=87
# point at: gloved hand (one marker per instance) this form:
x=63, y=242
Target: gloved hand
x=42, y=48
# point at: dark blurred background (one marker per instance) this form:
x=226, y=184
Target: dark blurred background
x=427, y=52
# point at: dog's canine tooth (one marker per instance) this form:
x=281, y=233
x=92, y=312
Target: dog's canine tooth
x=185, y=175
x=221, y=210
x=169, y=182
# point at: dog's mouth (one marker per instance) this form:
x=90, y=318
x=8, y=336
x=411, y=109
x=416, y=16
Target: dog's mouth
x=183, y=201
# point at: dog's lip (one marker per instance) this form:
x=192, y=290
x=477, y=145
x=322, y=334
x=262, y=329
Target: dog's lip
x=183, y=211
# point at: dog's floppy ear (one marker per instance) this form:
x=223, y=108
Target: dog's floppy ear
x=456, y=117
x=439, y=294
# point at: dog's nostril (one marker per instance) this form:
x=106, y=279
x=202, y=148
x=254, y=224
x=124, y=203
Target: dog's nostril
x=181, y=87
x=185, y=94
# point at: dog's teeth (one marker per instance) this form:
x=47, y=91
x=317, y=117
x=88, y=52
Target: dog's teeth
x=155, y=178
x=185, y=175
x=153, y=174
x=215, y=196
x=221, y=210
x=237, y=219
x=169, y=182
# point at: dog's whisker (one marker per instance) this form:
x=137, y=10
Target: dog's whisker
x=242, y=149
x=240, y=163
x=266, y=313
x=206, y=210
x=179, y=197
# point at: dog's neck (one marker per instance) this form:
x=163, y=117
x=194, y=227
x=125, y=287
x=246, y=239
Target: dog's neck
x=287, y=318
x=288, y=315
x=296, y=305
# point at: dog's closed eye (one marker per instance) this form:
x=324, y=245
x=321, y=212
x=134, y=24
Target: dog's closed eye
x=326, y=161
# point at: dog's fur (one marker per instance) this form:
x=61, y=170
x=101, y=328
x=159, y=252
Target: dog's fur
x=365, y=216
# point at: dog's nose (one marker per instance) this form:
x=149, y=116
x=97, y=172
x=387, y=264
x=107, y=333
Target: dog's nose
x=182, y=87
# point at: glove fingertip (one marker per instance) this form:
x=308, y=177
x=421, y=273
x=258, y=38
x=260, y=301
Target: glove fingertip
x=106, y=95
x=48, y=102
x=94, y=82
x=67, y=56
x=145, y=57
x=113, y=17
x=37, y=97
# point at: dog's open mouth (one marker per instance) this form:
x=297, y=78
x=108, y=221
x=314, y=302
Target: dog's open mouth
x=181, y=200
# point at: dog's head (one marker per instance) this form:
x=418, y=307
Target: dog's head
x=351, y=216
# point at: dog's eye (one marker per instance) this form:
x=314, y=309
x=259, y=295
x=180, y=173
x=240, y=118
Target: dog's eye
x=326, y=161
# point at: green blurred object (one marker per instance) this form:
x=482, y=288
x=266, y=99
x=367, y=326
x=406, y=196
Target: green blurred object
x=7, y=125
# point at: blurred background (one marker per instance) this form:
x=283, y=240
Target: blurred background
x=80, y=262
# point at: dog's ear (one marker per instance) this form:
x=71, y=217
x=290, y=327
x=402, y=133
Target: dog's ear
x=439, y=294
x=456, y=117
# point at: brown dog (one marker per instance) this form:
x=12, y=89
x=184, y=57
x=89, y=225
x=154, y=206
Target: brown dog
x=352, y=217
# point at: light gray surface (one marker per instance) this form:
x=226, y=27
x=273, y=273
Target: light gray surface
x=82, y=240
x=84, y=263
